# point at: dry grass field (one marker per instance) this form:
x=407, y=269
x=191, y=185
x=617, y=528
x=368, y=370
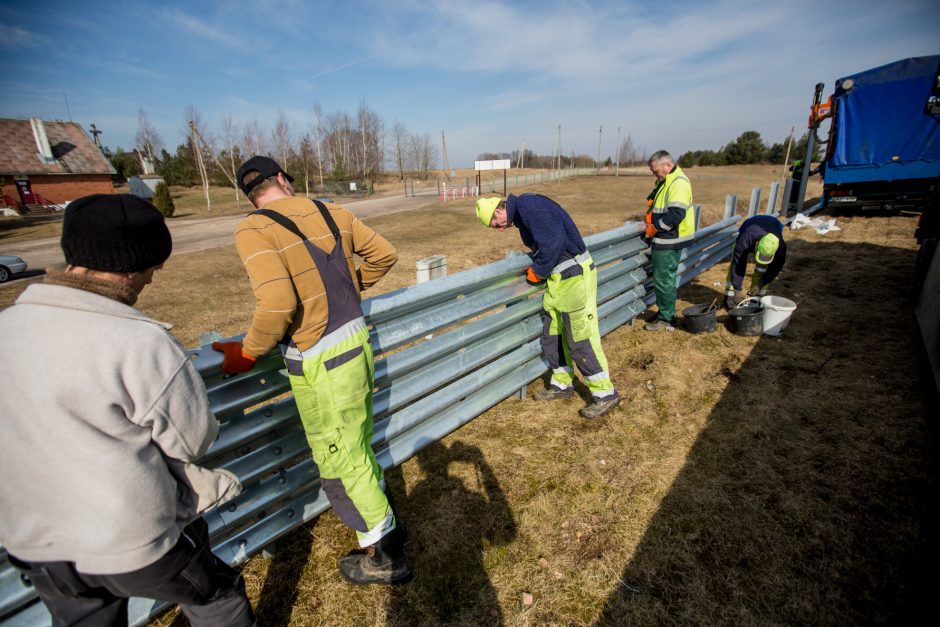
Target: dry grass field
x=743, y=480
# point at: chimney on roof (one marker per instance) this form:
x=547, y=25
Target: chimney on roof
x=42, y=141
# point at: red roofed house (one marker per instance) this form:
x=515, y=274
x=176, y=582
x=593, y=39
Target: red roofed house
x=50, y=162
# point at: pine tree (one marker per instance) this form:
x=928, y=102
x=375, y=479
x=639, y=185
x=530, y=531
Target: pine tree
x=163, y=200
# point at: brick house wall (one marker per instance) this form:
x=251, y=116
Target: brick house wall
x=60, y=188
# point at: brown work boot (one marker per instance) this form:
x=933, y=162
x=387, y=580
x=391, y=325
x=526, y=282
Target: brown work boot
x=383, y=562
x=553, y=394
x=600, y=406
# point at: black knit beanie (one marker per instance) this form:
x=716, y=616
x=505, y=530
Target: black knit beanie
x=114, y=233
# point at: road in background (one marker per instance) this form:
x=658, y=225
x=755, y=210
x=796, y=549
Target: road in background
x=199, y=234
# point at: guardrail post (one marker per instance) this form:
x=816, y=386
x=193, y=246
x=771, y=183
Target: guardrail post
x=772, y=198
x=787, y=192
x=731, y=205
x=755, y=201
x=433, y=267
x=698, y=216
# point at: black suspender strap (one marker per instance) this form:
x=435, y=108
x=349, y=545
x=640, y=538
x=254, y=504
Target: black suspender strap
x=284, y=221
x=288, y=224
x=328, y=218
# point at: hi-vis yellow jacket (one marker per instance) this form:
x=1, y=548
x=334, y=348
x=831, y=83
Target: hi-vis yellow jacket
x=671, y=212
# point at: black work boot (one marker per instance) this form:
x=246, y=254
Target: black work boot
x=553, y=394
x=384, y=562
x=600, y=406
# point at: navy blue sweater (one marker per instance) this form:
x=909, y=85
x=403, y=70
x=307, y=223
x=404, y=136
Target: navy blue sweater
x=545, y=228
x=750, y=233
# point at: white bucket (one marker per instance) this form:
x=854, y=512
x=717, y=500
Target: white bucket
x=777, y=312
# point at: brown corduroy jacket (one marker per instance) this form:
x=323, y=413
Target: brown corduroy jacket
x=289, y=294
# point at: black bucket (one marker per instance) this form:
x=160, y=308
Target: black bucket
x=747, y=319
x=700, y=318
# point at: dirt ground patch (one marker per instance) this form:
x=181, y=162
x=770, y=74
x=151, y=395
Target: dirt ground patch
x=742, y=480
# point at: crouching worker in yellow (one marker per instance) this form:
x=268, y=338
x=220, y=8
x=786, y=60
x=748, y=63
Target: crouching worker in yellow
x=570, y=331
x=299, y=258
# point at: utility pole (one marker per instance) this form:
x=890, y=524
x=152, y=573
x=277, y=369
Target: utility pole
x=558, y=150
x=520, y=162
x=597, y=162
x=446, y=164
x=617, y=150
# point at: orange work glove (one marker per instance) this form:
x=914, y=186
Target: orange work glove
x=235, y=360
x=650, y=230
x=532, y=278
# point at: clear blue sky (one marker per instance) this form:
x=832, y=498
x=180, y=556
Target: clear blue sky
x=672, y=74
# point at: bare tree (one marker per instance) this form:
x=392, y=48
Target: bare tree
x=148, y=140
x=336, y=142
x=306, y=159
x=370, y=137
x=229, y=129
x=281, y=142
x=200, y=146
x=253, y=138
x=317, y=114
x=422, y=153
x=399, y=148
x=629, y=153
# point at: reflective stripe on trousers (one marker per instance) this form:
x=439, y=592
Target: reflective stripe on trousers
x=570, y=332
x=334, y=398
x=332, y=383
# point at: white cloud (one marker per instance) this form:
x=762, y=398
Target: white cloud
x=202, y=29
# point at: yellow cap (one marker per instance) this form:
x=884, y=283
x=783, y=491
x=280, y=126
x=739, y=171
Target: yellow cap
x=766, y=249
x=486, y=207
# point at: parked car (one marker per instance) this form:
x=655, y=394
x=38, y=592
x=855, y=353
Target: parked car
x=10, y=265
x=324, y=199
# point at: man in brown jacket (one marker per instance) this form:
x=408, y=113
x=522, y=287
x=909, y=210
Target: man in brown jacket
x=299, y=258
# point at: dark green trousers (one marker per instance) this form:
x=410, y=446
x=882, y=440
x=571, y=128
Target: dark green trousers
x=665, y=265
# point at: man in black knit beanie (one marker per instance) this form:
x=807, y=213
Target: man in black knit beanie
x=103, y=495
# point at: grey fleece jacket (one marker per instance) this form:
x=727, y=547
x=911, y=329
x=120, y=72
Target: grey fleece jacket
x=101, y=418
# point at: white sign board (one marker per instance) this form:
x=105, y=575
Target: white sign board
x=501, y=164
x=352, y=187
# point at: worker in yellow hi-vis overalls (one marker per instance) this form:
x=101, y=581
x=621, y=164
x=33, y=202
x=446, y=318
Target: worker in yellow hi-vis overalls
x=299, y=257
x=570, y=333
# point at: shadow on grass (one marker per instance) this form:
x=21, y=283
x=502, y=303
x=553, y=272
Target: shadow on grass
x=453, y=521
x=284, y=574
x=810, y=495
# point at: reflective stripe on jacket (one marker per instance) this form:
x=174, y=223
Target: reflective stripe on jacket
x=671, y=211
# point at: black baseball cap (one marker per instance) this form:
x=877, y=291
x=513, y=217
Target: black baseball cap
x=267, y=166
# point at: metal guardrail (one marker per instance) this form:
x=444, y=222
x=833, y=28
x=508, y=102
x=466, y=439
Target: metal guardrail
x=484, y=349
x=465, y=186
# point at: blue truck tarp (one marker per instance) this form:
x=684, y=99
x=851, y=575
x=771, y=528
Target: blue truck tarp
x=882, y=130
